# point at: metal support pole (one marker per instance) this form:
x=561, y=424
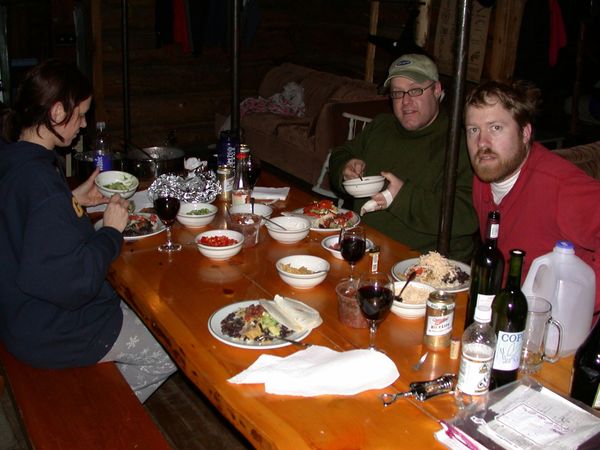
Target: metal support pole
x=125, y=59
x=235, y=64
x=454, y=132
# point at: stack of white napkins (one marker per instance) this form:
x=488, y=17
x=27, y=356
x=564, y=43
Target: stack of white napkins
x=293, y=314
x=321, y=371
x=269, y=193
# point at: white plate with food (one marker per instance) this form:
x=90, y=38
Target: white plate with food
x=141, y=225
x=435, y=270
x=326, y=217
x=233, y=315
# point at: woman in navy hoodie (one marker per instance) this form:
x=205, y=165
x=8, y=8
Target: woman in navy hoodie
x=56, y=307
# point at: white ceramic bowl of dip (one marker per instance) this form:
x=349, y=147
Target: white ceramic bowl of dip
x=246, y=208
x=116, y=182
x=302, y=271
x=296, y=229
x=331, y=244
x=366, y=187
x=196, y=215
x=220, y=253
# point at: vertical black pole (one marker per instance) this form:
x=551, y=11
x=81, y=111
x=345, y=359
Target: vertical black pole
x=235, y=62
x=454, y=132
x=125, y=59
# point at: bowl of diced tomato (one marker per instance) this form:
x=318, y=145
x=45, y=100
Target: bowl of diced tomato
x=219, y=244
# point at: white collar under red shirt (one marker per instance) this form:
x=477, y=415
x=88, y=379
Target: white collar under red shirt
x=500, y=189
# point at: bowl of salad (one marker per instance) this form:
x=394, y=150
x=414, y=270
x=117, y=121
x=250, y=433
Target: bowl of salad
x=196, y=215
x=116, y=182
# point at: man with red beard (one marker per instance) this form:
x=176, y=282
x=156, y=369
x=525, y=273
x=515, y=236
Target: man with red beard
x=542, y=198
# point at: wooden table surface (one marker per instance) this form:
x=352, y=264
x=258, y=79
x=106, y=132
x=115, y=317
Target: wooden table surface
x=176, y=294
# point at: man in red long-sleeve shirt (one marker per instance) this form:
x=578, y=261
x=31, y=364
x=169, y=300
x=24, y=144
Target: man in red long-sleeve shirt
x=542, y=198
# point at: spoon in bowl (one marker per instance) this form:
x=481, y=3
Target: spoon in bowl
x=275, y=223
x=411, y=276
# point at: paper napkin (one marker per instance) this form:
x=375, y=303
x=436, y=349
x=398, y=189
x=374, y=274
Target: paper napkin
x=320, y=371
x=269, y=193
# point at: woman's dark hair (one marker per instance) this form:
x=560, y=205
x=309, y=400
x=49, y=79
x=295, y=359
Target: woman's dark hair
x=521, y=98
x=44, y=85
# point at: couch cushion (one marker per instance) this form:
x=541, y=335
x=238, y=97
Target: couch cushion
x=316, y=93
x=585, y=156
x=279, y=76
x=269, y=123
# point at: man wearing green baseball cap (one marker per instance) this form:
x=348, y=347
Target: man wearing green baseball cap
x=408, y=148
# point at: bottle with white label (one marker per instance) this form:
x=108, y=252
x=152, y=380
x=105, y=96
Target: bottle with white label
x=509, y=315
x=478, y=346
x=487, y=269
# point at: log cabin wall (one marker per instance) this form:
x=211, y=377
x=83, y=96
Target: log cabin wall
x=174, y=91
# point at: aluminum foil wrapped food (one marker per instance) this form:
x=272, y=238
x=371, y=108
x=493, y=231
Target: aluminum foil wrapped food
x=198, y=186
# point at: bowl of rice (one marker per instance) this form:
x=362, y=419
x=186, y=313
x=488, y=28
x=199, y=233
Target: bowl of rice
x=302, y=271
x=414, y=299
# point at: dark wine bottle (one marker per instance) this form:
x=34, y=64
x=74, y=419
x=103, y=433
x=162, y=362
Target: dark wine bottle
x=509, y=314
x=585, y=384
x=487, y=269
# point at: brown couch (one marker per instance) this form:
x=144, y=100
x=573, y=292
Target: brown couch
x=299, y=145
x=584, y=156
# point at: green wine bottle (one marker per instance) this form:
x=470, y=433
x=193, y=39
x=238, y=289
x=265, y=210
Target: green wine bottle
x=509, y=314
x=487, y=269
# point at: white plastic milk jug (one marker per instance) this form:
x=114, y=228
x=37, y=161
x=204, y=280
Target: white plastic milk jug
x=569, y=284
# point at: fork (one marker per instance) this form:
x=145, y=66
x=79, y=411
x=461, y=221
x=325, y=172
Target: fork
x=420, y=362
x=297, y=343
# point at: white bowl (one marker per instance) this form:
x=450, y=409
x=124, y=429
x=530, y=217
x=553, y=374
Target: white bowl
x=220, y=253
x=329, y=242
x=296, y=229
x=366, y=187
x=411, y=310
x=196, y=220
x=259, y=209
x=109, y=177
x=303, y=281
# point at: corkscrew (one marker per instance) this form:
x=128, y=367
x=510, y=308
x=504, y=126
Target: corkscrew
x=423, y=390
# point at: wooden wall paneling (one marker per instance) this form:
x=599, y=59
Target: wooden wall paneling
x=506, y=28
x=97, y=60
x=445, y=39
x=370, y=60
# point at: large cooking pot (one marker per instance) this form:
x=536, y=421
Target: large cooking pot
x=162, y=160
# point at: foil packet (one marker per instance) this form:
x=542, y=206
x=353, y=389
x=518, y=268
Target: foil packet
x=198, y=186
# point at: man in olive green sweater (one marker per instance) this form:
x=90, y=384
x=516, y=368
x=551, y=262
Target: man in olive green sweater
x=409, y=149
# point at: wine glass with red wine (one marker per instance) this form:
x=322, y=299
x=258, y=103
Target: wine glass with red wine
x=353, y=245
x=166, y=207
x=375, y=297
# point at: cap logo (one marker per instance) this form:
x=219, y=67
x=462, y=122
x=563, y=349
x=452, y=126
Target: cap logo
x=404, y=62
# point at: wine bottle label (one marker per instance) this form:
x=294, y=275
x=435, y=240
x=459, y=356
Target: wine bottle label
x=484, y=300
x=596, y=402
x=439, y=325
x=494, y=229
x=475, y=369
x=508, y=351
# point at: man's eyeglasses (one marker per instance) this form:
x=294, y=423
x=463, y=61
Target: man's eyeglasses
x=414, y=92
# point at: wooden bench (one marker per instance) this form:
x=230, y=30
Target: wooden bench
x=84, y=408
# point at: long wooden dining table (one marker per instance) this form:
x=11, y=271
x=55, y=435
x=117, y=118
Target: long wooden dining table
x=175, y=295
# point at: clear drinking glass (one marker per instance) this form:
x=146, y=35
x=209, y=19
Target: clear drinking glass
x=166, y=207
x=353, y=245
x=375, y=297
